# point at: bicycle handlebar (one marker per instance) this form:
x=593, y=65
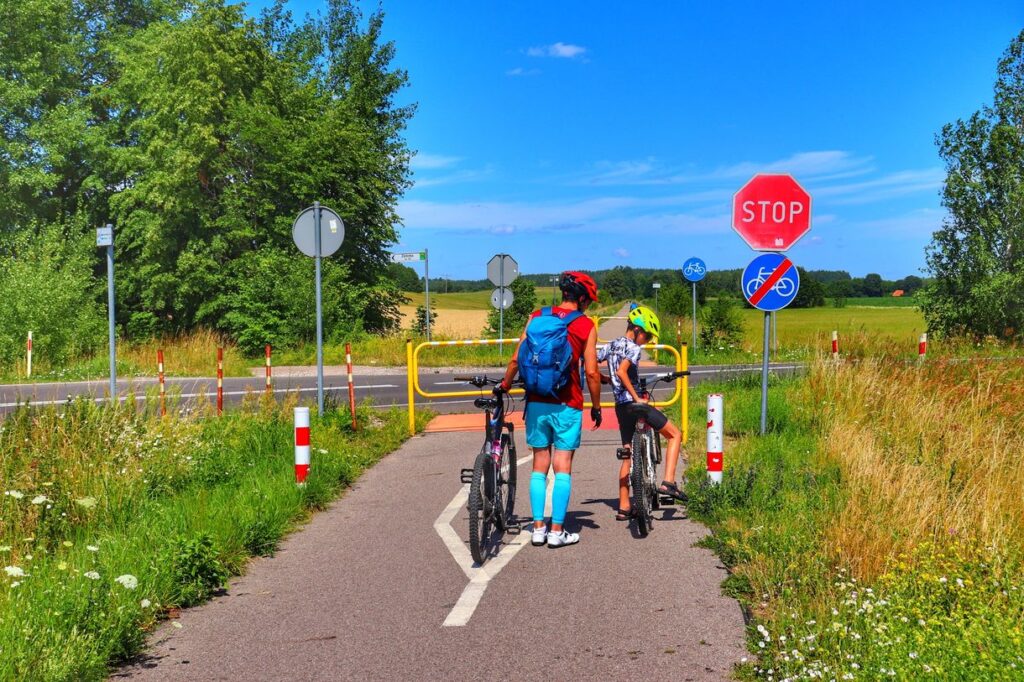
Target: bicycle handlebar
x=481, y=381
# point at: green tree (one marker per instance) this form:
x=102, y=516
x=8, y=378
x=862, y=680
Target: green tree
x=616, y=285
x=811, y=293
x=404, y=277
x=524, y=302
x=873, y=285
x=976, y=257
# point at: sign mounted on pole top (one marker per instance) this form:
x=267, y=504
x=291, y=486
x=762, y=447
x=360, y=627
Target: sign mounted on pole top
x=502, y=269
x=770, y=282
x=501, y=298
x=771, y=212
x=694, y=270
x=332, y=232
x=414, y=257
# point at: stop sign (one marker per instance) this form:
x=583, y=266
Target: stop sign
x=771, y=212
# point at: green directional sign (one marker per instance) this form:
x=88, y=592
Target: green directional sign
x=413, y=257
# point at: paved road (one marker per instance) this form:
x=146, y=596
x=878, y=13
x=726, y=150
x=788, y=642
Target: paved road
x=366, y=589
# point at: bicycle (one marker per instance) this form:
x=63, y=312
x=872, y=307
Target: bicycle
x=784, y=287
x=492, y=480
x=694, y=269
x=645, y=455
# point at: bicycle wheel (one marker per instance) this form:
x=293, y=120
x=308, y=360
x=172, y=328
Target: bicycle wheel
x=505, y=494
x=481, y=507
x=639, y=496
x=653, y=456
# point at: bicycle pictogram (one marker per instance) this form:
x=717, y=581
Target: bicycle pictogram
x=694, y=269
x=784, y=287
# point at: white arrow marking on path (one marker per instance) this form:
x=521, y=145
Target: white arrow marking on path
x=478, y=576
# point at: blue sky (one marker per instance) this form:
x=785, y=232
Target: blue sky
x=594, y=134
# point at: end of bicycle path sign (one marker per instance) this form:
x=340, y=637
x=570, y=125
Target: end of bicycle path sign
x=694, y=270
x=770, y=282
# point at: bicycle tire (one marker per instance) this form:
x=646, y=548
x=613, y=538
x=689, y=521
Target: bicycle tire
x=480, y=509
x=507, y=479
x=653, y=445
x=638, y=488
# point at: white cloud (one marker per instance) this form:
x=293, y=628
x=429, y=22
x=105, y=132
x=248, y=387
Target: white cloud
x=520, y=71
x=559, y=50
x=469, y=175
x=423, y=161
x=884, y=187
x=920, y=222
x=621, y=252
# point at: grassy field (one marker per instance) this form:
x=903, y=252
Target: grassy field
x=111, y=518
x=876, y=531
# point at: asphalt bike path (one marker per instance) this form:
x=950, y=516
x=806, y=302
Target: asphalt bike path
x=382, y=586
x=374, y=588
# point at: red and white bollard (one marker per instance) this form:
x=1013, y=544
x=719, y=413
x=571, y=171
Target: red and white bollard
x=267, y=350
x=922, y=346
x=301, y=444
x=160, y=376
x=715, y=438
x=835, y=345
x=351, y=385
x=28, y=356
x=220, y=381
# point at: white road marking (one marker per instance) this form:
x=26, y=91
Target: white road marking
x=479, y=576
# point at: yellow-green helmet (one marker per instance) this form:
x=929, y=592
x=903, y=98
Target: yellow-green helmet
x=644, y=317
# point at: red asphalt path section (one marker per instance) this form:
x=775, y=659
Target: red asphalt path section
x=364, y=589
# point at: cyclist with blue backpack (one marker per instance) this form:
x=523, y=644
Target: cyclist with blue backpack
x=547, y=359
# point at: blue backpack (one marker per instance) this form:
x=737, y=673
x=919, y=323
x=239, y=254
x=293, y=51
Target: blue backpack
x=545, y=355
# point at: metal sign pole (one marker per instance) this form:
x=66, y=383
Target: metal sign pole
x=426, y=281
x=319, y=315
x=694, y=320
x=764, y=377
x=501, y=307
x=110, y=316
x=775, y=332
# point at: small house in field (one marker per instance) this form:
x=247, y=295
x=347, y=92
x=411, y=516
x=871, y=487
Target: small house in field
x=897, y=293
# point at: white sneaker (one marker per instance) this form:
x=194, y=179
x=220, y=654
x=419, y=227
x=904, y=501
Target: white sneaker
x=540, y=536
x=562, y=539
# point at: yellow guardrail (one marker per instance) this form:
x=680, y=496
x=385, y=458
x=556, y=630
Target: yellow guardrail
x=412, y=355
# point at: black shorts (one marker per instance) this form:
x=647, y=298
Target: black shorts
x=629, y=413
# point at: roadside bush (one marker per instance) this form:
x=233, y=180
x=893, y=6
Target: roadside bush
x=49, y=288
x=721, y=323
x=196, y=569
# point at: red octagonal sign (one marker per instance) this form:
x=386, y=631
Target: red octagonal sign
x=771, y=212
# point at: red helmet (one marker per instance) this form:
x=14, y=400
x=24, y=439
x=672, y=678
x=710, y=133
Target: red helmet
x=578, y=285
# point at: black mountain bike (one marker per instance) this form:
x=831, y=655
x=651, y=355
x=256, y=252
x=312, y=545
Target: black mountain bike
x=492, y=491
x=646, y=456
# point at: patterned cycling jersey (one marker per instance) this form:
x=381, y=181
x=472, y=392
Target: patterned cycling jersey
x=615, y=352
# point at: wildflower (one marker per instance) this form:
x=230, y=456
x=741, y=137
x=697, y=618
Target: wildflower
x=913, y=654
x=14, y=571
x=129, y=581
x=145, y=603
x=92, y=548
x=764, y=632
x=68, y=543
x=62, y=566
x=14, y=493
x=943, y=579
x=40, y=499
x=87, y=502
x=92, y=575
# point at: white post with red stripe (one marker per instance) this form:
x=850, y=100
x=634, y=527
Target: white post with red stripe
x=351, y=385
x=922, y=347
x=835, y=345
x=160, y=376
x=301, y=444
x=715, y=430
x=267, y=351
x=28, y=356
x=220, y=381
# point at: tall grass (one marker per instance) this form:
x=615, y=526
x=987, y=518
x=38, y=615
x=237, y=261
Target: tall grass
x=110, y=517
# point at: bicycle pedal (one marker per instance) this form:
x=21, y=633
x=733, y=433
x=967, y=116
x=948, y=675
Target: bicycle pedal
x=623, y=453
x=466, y=476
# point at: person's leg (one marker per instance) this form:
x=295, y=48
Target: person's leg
x=562, y=489
x=675, y=440
x=624, y=503
x=539, y=484
x=568, y=431
x=539, y=435
x=627, y=424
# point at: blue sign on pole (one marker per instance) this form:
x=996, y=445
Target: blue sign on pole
x=770, y=282
x=694, y=270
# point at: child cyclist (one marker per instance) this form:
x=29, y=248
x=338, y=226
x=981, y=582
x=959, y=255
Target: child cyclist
x=623, y=357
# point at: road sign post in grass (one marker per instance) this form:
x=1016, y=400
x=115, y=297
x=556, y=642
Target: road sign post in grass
x=318, y=232
x=502, y=270
x=105, y=237
x=694, y=271
x=419, y=257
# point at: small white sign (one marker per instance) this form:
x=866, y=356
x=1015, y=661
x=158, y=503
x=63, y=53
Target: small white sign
x=414, y=257
x=656, y=285
x=105, y=236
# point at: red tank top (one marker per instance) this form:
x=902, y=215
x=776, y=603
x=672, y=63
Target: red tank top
x=579, y=332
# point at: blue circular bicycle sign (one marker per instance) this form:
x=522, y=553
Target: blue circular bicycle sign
x=694, y=270
x=770, y=282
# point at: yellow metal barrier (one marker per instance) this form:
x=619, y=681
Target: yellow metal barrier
x=412, y=355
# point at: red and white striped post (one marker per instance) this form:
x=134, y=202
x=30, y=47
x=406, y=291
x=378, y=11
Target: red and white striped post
x=28, y=356
x=160, y=376
x=922, y=347
x=351, y=386
x=715, y=430
x=301, y=444
x=220, y=381
x=267, y=351
x=835, y=345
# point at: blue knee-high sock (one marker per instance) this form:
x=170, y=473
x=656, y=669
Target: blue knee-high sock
x=538, y=489
x=560, y=498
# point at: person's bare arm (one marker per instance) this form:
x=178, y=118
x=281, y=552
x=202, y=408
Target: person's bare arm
x=591, y=368
x=623, y=373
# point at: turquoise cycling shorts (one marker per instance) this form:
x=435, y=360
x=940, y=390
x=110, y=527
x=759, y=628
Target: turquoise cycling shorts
x=552, y=424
